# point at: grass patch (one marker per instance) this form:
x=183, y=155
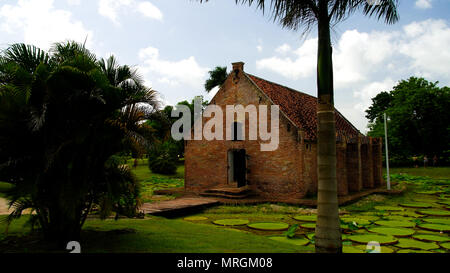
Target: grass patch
x=155, y=235
x=433, y=172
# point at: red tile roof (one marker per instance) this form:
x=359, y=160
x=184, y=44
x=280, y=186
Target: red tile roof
x=300, y=108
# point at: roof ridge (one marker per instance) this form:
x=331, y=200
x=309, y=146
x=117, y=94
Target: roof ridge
x=289, y=88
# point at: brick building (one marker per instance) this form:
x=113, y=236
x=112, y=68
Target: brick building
x=219, y=166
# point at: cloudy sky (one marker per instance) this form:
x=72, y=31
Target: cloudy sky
x=175, y=43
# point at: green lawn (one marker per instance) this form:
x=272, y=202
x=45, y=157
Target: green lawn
x=434, y=172
x=157, y=234
x=153, y=181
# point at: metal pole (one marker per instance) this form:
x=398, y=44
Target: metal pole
x=387, y=153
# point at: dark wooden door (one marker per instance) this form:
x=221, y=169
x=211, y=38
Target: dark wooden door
x=239, y=167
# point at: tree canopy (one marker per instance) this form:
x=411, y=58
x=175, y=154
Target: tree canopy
x=418, y=118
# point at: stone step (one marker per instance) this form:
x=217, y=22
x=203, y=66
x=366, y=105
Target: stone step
x=229, y=191
x=224, y=195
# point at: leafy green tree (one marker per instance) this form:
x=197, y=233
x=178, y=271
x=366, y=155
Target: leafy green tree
x=294, y=14
x=419, y=123
x=217, y=77
x=60, y=132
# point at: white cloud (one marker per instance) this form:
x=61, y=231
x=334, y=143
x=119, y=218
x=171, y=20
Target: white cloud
x=283, y=49
x=301, y=67
x=366, y=63
x=41, y=23
x=173, y=73
x=73, y=2
x=111, y=8
x=423, y=4
x=259, y=48
x=149, y=10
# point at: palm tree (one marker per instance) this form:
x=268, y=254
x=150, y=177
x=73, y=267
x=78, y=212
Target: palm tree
x=217, y=77
x=61, y=130
x=134, y=113
x=294, y=14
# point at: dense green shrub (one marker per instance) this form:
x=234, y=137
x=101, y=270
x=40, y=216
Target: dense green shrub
x=163, y=158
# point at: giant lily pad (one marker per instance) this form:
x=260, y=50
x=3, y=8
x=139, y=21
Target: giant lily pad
x=294, y=241
x=431, y=238
x=399, y=232
x=306, y=218
x=434, y=212
x=435, y=227
x=445, y=245
x=371, y=218
x=408, y=213
x=358, y=221
x=366, y=238
x=388, y=208
x=231, y=222
x=428, y=192
x=352, y=249
x=404, y=251
x=416, y=205
x=415, y=244
x=442, y=221
x=272, y=226
x=393, y=223
x=195, y=218
x=308, y=225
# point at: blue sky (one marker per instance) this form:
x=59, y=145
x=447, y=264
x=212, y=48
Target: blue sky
x=175, y=42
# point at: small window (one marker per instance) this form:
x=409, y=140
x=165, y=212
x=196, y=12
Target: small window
x=288, y=127
x=236, y=131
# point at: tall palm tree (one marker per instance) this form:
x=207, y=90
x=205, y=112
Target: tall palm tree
x=294, y=14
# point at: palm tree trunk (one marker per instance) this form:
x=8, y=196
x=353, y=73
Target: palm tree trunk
x=328, y=233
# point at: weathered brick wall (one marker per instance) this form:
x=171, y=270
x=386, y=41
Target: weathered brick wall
x=275, y=174
x=367, y=165
x=353, y=166
x=341, y=170
x=377, y=162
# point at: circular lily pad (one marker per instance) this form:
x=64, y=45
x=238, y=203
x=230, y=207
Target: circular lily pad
x=308, y=225
x=413, y=251
x=310, y=236
x=366, y=238
x=371, y=218
x=447, y=203
x=195, y=218
x=388, y=208
x=416, y=205
x=431, y=238
x=399, y=232
x=352, y=249
x=399, y=218
x=408, y=213
x=441, y=221
x=428, y=192
x=415, y=244
x=269, y=226
x=306, y=218
x=434, y=212
x=294, y=241
x=393, y=223
x=358, y=221
x=445, y=245
x=231, y=222
x=435, y=227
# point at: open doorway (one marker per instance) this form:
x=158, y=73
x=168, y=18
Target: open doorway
x=237, y=167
